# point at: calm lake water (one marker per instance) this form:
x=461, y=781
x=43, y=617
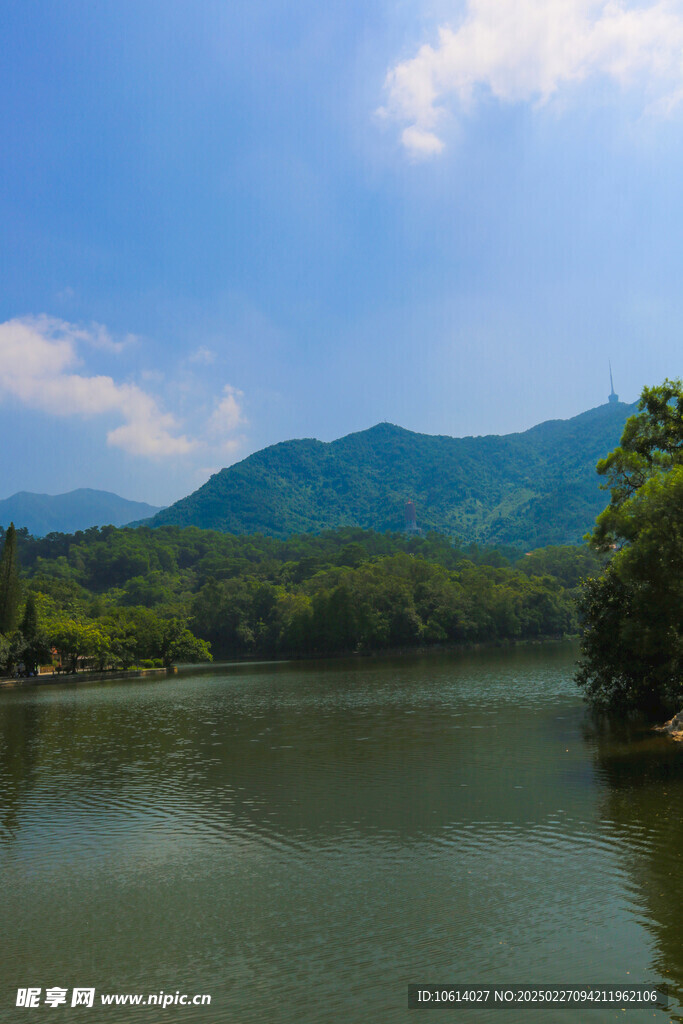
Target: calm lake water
x=301, y=841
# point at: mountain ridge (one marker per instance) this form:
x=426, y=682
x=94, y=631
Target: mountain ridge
x=74, y=510
x=529, y=488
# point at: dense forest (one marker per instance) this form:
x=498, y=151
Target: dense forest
x=530, y=489
x=142, y=596
x=632, y=612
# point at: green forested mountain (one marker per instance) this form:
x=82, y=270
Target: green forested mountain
x=65, y=513
x=529, y=489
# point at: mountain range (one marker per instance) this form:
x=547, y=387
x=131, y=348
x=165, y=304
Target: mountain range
x=66, y=513
x=528, y=489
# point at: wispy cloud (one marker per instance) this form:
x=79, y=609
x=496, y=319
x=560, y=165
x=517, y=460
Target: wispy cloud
x=531, y=50
x=39, y=359
x=202, y=355
x=227, y=417
x=93, y=334
x=228, y=414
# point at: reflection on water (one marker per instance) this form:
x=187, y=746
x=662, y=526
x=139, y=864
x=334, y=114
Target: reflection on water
x=301, y=841
x=643, y=786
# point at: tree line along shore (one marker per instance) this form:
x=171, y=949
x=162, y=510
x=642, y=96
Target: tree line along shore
x=114, y=598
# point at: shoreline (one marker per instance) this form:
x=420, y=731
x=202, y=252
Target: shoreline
x=120, y=675
x=394, y=652
x=52, y=679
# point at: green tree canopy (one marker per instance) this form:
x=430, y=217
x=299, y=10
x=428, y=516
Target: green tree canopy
x=75, y=639
x=150, y=594
x=177, y=643
x=651, y=444
x=632, y=649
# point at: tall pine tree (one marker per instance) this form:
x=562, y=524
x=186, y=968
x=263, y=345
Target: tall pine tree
x=10, y=588
x=29, y=623
x=35, y=649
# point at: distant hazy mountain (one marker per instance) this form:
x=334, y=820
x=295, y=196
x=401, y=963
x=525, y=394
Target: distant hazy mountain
x=530, y=489
x=66, y=513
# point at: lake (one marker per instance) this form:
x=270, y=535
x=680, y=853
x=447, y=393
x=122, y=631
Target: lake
x=301, y=841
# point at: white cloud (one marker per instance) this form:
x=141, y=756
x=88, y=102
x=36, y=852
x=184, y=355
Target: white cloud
x=39, y=356
x=420, y=141
x=228, y=414
x=40, y=361
x=530, y=50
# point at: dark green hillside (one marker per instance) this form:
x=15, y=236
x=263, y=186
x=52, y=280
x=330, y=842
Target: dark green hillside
x=530, y=489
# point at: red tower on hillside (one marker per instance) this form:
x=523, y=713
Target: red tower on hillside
x=411, y=518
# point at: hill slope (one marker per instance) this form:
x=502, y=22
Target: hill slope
x=66, y=513
x=530, y=489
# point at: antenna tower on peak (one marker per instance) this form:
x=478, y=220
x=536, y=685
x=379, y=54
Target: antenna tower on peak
x=613, y=396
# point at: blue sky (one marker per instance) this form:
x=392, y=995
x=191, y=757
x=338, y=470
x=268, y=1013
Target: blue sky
x=229, y=224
